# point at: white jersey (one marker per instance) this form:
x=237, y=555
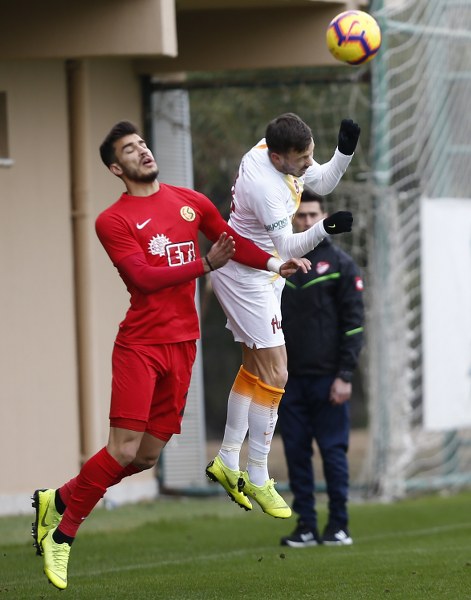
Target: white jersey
x=265, y=200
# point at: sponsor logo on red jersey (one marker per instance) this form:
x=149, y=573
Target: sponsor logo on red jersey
x=157, y=244
x=180, y=254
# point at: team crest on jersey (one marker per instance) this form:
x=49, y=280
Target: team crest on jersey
x=188, y=213
x=359, y=284
x=322, y=267
x=158, y=244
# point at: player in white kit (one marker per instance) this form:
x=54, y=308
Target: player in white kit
x=266, y=194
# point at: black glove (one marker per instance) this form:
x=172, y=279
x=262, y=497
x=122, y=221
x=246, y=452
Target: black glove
x=349, y=133
x=339, y=222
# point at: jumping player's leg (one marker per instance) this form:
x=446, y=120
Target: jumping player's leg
x=269, y=364
x=135, y=375
x=254, y=316
x=99, y=473
x=237, y=423
x=224, y=469
x=151, y=417
x=120, y=444
x=50, y=505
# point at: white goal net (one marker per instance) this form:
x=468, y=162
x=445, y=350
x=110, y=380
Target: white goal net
x=421, y=152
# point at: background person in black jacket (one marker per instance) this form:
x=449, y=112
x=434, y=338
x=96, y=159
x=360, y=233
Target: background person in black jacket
x=323, y=327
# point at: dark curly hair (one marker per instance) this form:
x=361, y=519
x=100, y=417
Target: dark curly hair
x=121, y=129
x=287, y=132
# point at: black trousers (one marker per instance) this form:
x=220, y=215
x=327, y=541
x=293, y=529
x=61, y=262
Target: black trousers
x=305, y=414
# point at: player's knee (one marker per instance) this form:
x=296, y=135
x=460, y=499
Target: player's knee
x=275, y=381
x=145, y=463
x=124, y=455
x=280, y=377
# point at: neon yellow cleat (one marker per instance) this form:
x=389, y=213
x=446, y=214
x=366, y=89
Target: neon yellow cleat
x=56, y=559
x=269, y=499
x=217, y=471
x=47, y=516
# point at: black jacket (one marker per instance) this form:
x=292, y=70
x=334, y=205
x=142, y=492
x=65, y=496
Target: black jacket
x=323, y=314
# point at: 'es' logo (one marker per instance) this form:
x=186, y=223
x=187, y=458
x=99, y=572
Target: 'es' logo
x=180, y=254
x=275, y=324
x=187, y=213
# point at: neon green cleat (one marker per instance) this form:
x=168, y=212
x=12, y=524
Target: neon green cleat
x=47, y=516
x=217, y=471
x=56, y=559
x=269, y=499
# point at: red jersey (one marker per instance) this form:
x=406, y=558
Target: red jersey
x=164, y=228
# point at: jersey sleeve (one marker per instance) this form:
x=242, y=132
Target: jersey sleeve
x=324, y=178
x=113, y=232
x=270, y=210
x=136, y=271
x=351, y=314
x=128, y=257
x=289, y=244
x=246, y=252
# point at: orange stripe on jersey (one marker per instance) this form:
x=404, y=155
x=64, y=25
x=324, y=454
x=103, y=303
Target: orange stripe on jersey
x=262, y=147
x=266, y=395
x=244, y=383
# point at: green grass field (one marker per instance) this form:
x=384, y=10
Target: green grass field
x=210, y=549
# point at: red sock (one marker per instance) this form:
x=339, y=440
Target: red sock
x=66, y=491
x=96, y=476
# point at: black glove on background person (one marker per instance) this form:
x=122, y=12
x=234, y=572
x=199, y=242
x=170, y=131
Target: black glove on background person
x=339, y=222
x=349, y=133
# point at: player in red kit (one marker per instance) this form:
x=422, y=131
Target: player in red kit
x=151, y=236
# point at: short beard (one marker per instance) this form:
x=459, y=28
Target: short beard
x=149, y=178
x=137, y=177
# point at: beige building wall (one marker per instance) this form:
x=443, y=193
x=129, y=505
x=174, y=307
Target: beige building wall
x=87, y=28
x=38, y=391
x=281, y=36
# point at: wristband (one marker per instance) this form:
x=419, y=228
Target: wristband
x=274, y=264
x=208, y=263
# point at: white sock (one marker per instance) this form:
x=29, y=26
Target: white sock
x=237, y=421
x=262, y=418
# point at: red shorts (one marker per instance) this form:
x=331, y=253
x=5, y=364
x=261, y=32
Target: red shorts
x=150, y=385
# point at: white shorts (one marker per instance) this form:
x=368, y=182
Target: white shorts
x=252, y=308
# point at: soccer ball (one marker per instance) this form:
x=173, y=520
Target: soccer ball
x=353, y=37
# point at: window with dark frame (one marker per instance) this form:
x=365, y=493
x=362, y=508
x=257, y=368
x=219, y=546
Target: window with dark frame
x=4, y=148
